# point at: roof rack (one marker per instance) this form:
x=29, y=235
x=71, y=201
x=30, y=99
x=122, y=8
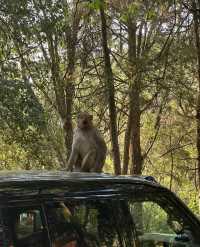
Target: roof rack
x=150, y=179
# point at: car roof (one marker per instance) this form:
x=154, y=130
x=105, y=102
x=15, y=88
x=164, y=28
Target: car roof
x=42, y=177
x=29, y=186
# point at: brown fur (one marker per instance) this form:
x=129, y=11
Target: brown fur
x=88, y=148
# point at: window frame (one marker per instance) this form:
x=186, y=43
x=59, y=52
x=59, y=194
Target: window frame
x=170, y=203
x=85, y=201
x=9, y=234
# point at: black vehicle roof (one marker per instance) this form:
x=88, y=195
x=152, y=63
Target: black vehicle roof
x=28, y=186
x=40, y=178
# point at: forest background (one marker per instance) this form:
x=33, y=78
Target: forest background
x=135, y=65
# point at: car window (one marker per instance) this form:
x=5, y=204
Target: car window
x=90, y=223
x=158, y=223
x=26, y=227
x=150, y=217
x=2, y=234
x=27, y=223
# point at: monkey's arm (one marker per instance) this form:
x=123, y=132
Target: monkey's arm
x=100, y=141
x=101, y=152
x=74, y=153
x=72, y=159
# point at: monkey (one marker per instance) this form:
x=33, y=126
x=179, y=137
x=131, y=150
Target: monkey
x=88, y=148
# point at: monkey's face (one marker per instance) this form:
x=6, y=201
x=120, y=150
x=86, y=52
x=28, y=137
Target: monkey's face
x=84, y=121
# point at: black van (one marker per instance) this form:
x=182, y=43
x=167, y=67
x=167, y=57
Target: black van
x=60, y=209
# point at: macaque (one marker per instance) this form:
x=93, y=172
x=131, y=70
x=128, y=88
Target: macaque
x=88, y=147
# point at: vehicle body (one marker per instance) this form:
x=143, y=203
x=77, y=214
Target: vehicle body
x=60, y=209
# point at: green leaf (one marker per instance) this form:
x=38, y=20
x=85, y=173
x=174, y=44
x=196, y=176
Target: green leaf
x=133, y=9
x=151, y=15
x=19, y=106
x=95, y=4
x=124, y=18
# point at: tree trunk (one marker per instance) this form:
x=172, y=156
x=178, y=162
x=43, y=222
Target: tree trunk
x=111, y=92
x=136, y=156
x=172, y=162
x=197, y=39
x=127, y=140
x=58, y=83
x=132, y=135
x=70, y=87
x=132, y=61
x=65, y=87
x=69, y=80
x=68, y=128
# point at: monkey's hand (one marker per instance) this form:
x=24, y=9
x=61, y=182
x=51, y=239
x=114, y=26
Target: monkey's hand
x=72, y=160
x=68, y=168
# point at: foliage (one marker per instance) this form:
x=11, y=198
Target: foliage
x=51, y=58
x=19, y=107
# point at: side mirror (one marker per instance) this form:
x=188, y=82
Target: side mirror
x=182, y=237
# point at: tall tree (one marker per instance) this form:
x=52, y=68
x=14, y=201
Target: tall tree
x=108, y=73
x=51, y=29
x=133, y=125
x=196, y=7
